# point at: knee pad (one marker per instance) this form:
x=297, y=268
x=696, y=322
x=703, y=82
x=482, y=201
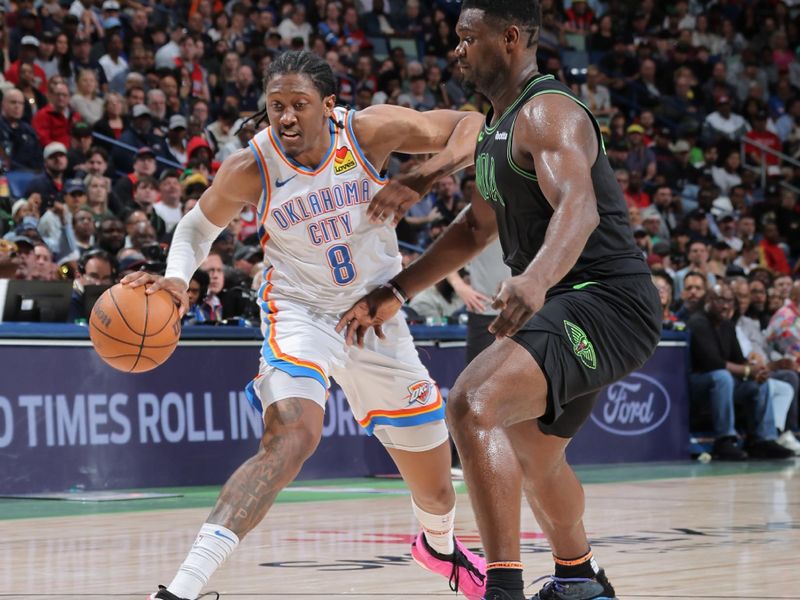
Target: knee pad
x=415, y=438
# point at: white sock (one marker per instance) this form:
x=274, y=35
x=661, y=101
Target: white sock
x=213, y=545
x=438, y=529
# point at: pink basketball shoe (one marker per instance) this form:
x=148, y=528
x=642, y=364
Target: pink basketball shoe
x=465, y=571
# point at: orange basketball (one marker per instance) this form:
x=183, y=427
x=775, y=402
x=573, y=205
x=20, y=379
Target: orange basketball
x=133, y=331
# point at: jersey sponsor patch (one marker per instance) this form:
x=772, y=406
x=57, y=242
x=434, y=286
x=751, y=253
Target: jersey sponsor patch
x=344, y=161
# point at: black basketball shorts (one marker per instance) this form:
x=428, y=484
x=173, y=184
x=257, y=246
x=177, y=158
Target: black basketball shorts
x=586, y=337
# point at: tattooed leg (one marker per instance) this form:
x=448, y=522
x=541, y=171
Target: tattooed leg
x=292, y=430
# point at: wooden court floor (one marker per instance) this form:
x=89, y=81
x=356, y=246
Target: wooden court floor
x=730, y=534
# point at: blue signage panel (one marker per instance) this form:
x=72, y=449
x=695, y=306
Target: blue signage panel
x=67, y=420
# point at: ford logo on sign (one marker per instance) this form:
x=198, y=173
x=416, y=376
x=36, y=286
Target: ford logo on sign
x=633, y=406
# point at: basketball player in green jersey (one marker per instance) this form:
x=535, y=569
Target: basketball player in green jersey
x=578, y=313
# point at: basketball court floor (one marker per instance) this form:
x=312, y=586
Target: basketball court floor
x=662, y=531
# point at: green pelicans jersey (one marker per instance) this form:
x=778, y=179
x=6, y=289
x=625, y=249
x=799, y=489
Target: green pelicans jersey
x=523, y=212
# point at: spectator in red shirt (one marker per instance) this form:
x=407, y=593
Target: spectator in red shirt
x=54, y=122
x=29, y=50
x=579, y=17
x=760, y=134
x=772, y=255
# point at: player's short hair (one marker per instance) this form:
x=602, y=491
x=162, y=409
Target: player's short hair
x=527, y=14
x=304, y=63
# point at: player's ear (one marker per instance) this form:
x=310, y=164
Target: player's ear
x=329, y=103
x=512, y=36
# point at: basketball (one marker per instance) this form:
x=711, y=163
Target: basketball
x=133, y=331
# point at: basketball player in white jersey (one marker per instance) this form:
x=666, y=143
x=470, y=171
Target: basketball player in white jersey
x=311, y=176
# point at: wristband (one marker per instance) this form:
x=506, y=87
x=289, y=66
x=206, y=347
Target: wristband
x=398, y=291
x=746, y=372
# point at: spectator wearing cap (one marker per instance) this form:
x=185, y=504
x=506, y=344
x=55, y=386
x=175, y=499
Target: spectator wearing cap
x=47, y=59
x=174, y=146
x=198, y=152
x=19, y=145
x=112, y=61
x=169, y=206
x=56, y=224
x=139, y=134
x=28, y=52
x=78, y=153
x=144, y=165
x=698, y=224
x=53, y=123
x=763, y=137
x=85, y=101
x=723, y=124
x=771, y=250
x=49, y=184
x=640, y=158
x=653, y=224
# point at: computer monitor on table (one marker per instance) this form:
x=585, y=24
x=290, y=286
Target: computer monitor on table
x=35, y=301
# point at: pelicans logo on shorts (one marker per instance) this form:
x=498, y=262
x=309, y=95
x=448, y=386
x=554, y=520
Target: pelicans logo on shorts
x=344, y=161
x=419, y=392
x=581, y=345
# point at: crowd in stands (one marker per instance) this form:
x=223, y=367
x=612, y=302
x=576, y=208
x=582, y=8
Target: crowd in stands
x=116, y=114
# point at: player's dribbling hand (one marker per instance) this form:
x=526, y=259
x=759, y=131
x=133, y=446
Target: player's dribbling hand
x=174, y=286
x=394, y=199
x=372, y=311
x=518, y=300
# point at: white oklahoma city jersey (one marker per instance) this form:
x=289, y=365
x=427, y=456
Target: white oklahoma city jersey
x=324, y=251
